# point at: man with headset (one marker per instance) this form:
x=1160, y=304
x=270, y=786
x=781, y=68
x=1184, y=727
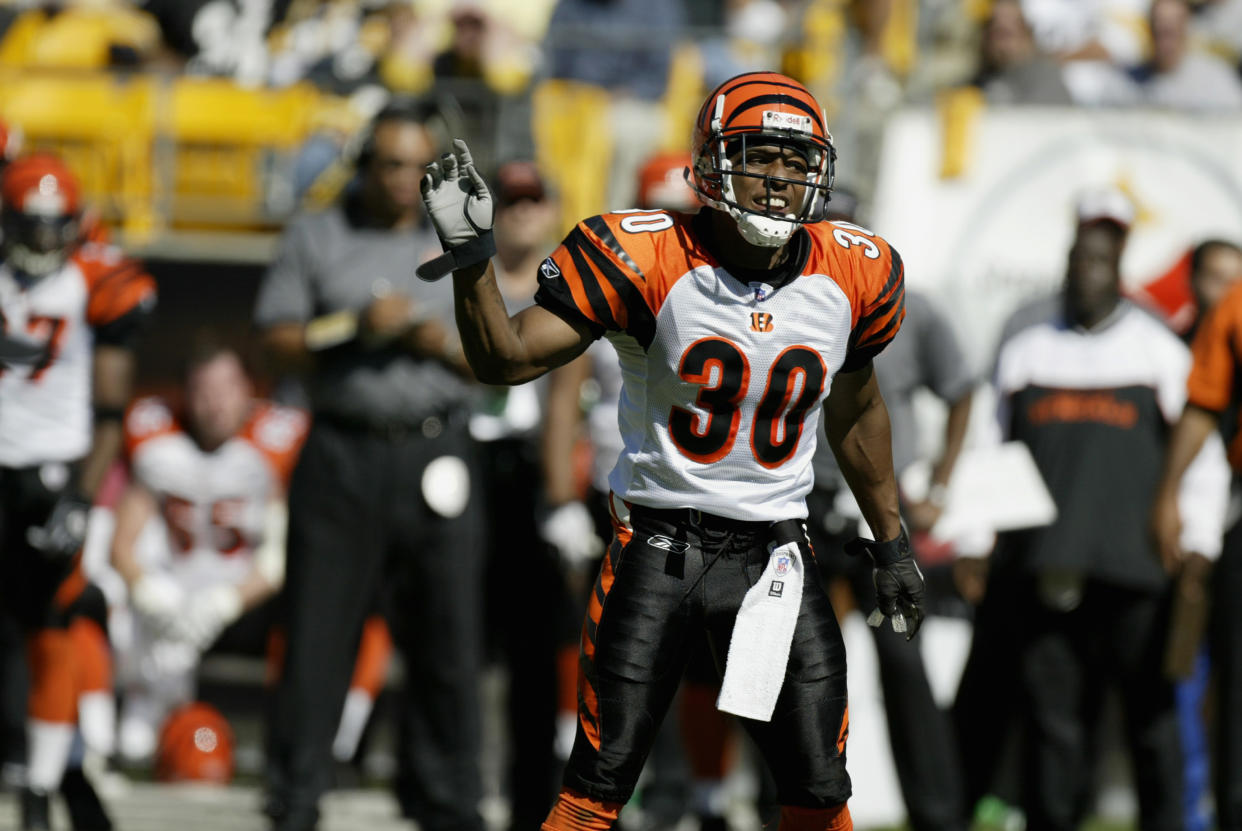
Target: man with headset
x=381, y=505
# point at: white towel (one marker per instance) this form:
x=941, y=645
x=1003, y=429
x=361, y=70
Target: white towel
x=762, y=635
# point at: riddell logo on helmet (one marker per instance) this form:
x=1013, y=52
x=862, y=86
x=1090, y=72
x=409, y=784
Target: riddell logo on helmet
x=776, y=120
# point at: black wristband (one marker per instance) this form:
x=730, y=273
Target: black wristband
x=882, y=553
x=109, y=413
x=477, y=250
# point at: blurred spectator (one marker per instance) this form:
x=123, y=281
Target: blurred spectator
x=524, y=580
x=73, y=313
x=1193, y=285
x=1012, y=69
x=220, y=37
x=383, y=498
x=625, y=47
x=207, y=487
x=1082, y=605
x=1217, y=24
x=1178, y=77
x=1094, y=40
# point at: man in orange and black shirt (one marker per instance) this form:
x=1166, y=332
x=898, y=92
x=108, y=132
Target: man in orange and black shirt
x=1213, y=398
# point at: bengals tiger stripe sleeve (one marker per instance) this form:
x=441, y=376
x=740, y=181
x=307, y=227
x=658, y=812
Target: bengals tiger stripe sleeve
x=880, y=300
x=592, y=279
x=121, y=294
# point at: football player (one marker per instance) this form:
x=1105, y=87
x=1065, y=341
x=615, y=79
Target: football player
x=732, y=326
x=70, y=316
x=200, y=529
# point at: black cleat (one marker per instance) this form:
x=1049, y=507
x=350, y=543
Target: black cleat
x=86, y=812
x=36, y=811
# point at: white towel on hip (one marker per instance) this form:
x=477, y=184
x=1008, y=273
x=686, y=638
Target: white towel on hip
x=762, y=634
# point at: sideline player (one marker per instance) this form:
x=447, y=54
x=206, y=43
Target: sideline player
x=79, y=307
x=208, y=480
x=731, y=326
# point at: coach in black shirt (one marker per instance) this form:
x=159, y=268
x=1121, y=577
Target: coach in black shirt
x=380, y=504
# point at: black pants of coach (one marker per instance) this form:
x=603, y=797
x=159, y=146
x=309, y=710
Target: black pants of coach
x=1053, y=669
x=361, y=526
x=650, y=601
x=524, y=583
x=1226, y=652
x=919, y=731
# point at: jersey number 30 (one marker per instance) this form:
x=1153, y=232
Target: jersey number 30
x=773, y=436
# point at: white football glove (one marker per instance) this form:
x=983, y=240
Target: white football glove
x=158, y=599
x=461, y=209
x=207, y=614
x=570, y=530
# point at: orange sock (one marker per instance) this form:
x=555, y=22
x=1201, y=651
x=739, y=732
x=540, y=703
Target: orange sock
x=53, y=676
x=374, y=650
x=816, y=819
x=90, y=646
x=576, y=812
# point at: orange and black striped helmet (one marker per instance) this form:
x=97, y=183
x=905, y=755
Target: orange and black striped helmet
x=40, y=205
x=761, y=108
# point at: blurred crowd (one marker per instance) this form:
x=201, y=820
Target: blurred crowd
x=324, y=485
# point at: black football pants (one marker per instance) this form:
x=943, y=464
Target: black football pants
x=359, y=527
x=649, y=602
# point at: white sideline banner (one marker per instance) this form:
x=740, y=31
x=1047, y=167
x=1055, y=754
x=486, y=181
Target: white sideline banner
x=985, y=242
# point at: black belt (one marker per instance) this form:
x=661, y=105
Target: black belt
x=785, y=530
x=428, y=427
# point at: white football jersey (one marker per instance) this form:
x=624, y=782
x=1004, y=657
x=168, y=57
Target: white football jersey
x=722, y=378
x=45, y=408
x=213, y=506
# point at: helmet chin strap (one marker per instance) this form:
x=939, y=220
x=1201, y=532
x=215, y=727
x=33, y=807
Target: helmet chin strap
x=764, y=231
x=756, y=229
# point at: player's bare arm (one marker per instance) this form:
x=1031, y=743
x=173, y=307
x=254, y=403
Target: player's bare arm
x=135, y=508
x=500, y=349
x=510, y=350
x=856, y=423
x=112, y=382
x=1189, y=434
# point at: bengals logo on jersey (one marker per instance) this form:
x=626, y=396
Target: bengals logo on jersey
x=760, y=322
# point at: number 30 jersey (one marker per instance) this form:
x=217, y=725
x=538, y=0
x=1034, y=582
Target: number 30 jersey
x=723, y=373
x=213, y=505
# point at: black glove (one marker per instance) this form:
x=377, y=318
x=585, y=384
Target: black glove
x=61, y=535
x=898, y=582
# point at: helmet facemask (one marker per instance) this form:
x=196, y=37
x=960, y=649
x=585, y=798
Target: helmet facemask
x=714, y=167
x=37, y=245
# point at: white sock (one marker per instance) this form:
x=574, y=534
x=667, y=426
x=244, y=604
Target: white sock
x=48, y=753
x=354, y=716
x=97, y=721
x=566, y=730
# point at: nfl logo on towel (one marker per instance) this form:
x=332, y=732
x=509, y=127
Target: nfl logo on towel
x=782, y=564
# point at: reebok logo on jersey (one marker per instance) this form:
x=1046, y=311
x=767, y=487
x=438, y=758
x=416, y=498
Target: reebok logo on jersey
x=760, y=322
x=665, y=544
x=549, y=269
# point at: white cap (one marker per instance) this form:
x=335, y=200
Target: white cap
x=1105, y=204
